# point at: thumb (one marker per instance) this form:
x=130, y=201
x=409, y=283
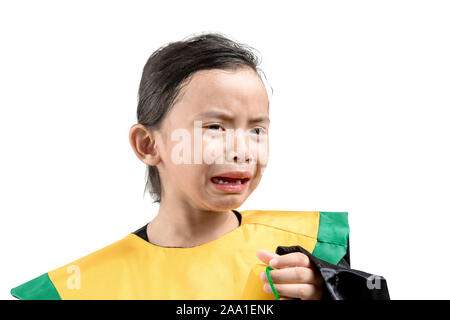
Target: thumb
x=265, y=256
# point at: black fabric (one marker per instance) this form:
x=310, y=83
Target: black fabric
x=142, y=232
x=341, y=282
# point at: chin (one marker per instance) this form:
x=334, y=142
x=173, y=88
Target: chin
x=228, y=202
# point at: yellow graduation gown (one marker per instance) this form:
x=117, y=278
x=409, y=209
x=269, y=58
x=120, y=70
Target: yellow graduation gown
x=226, y=268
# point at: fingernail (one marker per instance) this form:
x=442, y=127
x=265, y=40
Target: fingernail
x=267, y=288
x=263, y=276
x=273, y=262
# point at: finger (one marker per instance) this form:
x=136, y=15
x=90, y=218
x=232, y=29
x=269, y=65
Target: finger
x=292, y=275
x=304, y=291
x=265, y=255
x=294, y=259
x=285, y=298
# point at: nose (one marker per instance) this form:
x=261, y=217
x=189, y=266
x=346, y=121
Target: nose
x=239, y=151
x=247, y=158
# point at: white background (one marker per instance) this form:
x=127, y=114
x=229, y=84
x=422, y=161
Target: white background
x=359, y=123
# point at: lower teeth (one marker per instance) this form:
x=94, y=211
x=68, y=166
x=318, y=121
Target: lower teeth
x=226, y=182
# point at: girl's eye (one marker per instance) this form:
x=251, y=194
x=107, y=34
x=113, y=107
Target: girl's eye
x=214, y=127
x=259, y=131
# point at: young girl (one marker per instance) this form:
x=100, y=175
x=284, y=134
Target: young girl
x=202, y=131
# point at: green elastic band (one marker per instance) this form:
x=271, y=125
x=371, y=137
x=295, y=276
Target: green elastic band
x=270, y=282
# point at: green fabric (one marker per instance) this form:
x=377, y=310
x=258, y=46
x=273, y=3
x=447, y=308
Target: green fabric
x=332, y=237
x=40, y=288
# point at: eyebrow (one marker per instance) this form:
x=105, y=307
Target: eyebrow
x=221, y=115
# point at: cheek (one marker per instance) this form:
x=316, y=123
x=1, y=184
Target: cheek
x=212, y=149
x=263, y=152
x=255, y=182
x=191, y=177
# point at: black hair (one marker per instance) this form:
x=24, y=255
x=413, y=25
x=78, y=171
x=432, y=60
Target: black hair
x=171, y=67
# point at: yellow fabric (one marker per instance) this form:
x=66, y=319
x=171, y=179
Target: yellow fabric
x=225, y=268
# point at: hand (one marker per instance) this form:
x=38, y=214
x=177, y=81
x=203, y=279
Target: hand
x=296, y=276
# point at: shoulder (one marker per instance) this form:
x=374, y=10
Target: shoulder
x=330, y=225
x=330, y=229
x=51, y=285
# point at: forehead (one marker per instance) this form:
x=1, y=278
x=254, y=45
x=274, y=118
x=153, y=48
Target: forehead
x=239, y=91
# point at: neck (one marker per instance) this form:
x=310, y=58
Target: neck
x=181, y=225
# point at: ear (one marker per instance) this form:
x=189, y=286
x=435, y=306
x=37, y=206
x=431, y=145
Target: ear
x=143, y=142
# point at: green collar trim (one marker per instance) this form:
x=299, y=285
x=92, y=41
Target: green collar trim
x=332, y=238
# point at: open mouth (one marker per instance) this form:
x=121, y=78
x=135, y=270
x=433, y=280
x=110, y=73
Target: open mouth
x=226, y=180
